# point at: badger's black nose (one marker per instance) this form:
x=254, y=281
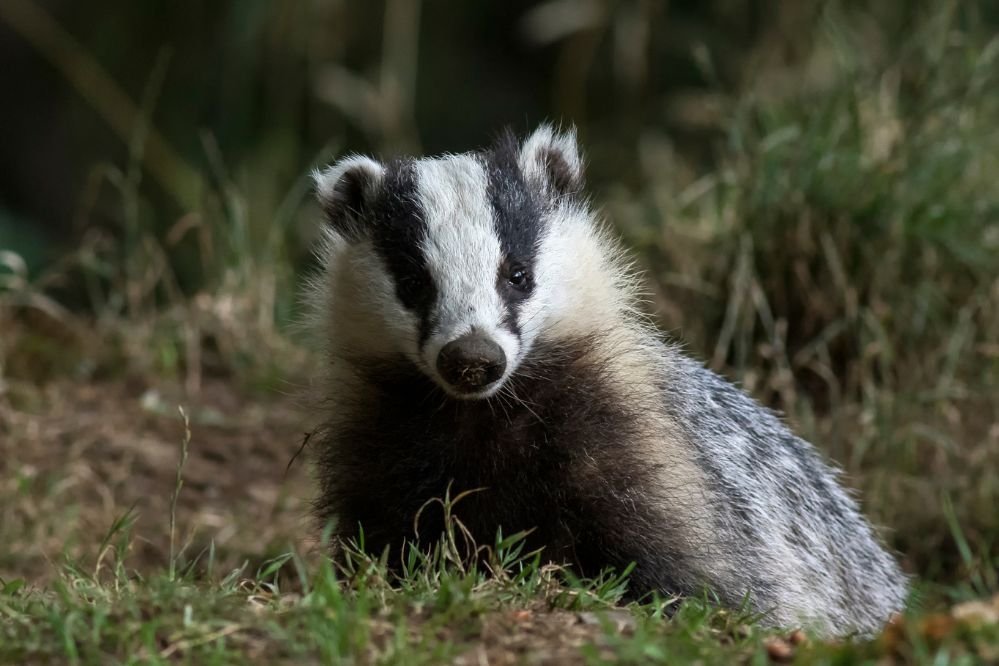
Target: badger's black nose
x=471, y=362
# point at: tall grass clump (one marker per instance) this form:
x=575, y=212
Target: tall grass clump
x=203, y=297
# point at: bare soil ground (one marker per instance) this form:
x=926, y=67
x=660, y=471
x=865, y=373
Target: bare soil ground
x=76, y=457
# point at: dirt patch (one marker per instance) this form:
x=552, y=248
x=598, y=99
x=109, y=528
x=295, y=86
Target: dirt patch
x=76, y=457
x=546, y=636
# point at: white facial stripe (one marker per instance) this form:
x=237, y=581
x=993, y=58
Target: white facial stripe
x=462, y=253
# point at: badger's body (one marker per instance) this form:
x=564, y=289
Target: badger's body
x=482, y=334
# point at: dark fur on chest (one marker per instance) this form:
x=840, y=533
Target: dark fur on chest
x=556, y=460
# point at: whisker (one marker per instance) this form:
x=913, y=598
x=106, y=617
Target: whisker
x=523, y=403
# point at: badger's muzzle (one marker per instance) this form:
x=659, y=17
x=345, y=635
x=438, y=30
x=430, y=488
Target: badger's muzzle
x=471, y=363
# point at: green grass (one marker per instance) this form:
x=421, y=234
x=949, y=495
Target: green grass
x=294, y=611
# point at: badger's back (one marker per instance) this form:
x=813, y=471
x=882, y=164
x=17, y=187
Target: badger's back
x=484, y=343
x=807, y=553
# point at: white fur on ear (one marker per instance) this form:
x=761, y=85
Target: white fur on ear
x=344, y=189
x=552, y=158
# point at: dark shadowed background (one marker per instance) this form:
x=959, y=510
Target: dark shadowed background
x=267, y=88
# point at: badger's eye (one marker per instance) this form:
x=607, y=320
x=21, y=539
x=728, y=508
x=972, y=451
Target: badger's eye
x=519, y=277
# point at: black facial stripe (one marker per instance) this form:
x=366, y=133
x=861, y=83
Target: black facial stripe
x=511, y=321
x=517, y=218
x=516, y=212
x=399, y=233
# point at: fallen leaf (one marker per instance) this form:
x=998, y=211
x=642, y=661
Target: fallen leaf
x=779, y=650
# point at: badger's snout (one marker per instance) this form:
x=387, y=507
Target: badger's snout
x=471, y=363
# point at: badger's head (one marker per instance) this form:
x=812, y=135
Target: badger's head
x=457, y=262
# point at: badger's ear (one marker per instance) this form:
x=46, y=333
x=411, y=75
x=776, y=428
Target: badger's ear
x=552, y=159
x=346, y=189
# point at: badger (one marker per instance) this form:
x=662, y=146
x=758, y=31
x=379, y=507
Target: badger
x=483, y=336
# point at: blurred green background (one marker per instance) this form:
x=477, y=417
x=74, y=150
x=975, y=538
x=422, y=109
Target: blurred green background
x=262, y=89
x=810, y=187
x=272, y=83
